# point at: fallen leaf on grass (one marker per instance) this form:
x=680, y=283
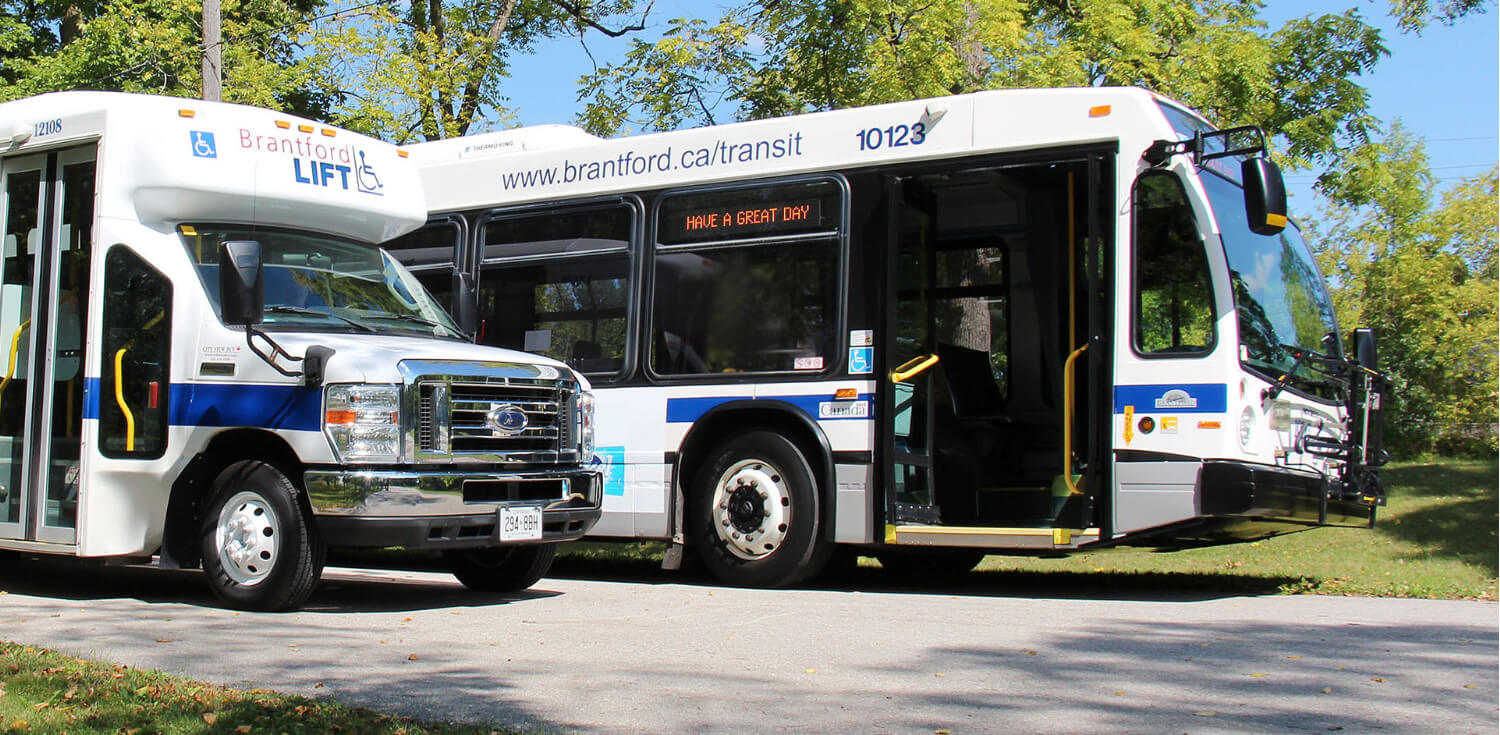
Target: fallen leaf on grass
x=1326, y=690
x=811, y=671
x=210, y=717
x=412, y=657
x=1259, y=675
x=242, y=729
x=1206, y=713
x=318, y=685
x=165, y=640
x=1377, y=679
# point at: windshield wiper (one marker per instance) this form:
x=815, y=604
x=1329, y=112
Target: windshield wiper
x=413, y=318
x=285, y=309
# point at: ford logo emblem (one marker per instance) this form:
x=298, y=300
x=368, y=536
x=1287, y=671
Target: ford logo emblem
x=506, y=419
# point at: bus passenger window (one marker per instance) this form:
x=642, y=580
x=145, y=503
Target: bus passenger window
x=747, y=280
x=1174, y=309
x=558, y=284
x=429, y=253
x=138, y=339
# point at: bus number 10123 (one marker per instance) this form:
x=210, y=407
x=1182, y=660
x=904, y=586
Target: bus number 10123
x=895, y=136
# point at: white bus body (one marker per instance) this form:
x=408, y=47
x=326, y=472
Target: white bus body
x=1016, y=321
x=135, y=422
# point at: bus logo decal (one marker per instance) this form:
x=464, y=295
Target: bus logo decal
x=506, y=419
x=203, y=144
x=1176, y=398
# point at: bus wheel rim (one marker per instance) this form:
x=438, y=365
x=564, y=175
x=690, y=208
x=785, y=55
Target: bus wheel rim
x=246, y=538
x=752, y=509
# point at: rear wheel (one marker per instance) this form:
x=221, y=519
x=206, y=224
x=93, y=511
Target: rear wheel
x=501, y=568
x=755, y=516
x=261, y=549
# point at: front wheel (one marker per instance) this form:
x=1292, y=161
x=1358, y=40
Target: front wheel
x=501, y=568
x=755, y=514
x=261, y=549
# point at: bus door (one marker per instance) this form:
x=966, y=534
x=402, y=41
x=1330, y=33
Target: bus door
x=988, y=385
x=47, y=208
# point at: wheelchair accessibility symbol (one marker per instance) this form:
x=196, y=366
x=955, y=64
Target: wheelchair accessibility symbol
x=203, y=144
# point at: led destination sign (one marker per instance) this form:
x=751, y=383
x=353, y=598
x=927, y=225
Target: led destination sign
x=736, y=222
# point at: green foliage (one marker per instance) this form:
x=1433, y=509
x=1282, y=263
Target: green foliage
x=154, y=47
x=771, y=58
x=433, y=70
x=1424, y=277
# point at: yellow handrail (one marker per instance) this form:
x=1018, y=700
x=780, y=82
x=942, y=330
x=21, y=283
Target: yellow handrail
x=913, y=367
x=15, y=347
x=1067, y=472
x=120, y=400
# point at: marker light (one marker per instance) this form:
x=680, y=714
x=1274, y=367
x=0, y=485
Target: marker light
x=403, y=154
x=1099, y=111
x=846, y=394
x=586, y=425
x=363, y=422
x=304, y=128
x=328, y=133
x=284, y=125
x=186, y=113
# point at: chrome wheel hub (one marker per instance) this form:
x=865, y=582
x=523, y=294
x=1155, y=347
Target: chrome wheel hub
x=752, y=509
x=246, y=538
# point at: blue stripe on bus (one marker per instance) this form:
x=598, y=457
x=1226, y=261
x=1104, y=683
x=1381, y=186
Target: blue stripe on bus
x=1173, y=398
x=289, y=407
x=688, y=410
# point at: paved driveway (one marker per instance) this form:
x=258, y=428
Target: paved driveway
x=653, y=655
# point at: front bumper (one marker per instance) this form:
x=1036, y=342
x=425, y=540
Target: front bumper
x=446, y=509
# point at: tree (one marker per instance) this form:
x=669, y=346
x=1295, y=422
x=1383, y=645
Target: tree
x=434, y=69
x=155, y=47
x=1424, y=279
x=778, y=57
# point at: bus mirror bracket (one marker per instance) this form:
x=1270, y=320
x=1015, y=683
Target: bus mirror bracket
x=242, y=302
x=1265, y=190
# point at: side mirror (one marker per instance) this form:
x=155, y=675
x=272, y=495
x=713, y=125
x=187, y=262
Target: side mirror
x=1364, y=347
x=1265, y=195
x=242, y=293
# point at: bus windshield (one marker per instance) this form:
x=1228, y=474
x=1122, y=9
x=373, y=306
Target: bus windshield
x=1279, y=295
x=317, y=282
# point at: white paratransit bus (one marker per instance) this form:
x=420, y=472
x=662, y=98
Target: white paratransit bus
x=208, y=358
x=1021, y=322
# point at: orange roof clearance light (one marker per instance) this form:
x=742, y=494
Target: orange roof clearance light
x=1099, y=111
x=846, y=394
x=284, y=125
x=304, y=128
x=328, y=133
x=187, y=113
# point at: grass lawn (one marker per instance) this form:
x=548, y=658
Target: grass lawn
x=1437, y=538
x=44, y=692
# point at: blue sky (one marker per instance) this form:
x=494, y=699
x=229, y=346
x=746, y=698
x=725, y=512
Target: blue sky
x=1443, y=85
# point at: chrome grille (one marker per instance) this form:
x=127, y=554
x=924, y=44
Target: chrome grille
x=456, y=418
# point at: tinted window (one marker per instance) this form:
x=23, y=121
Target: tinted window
x=558, y=284
x=1174, y=311
x=758, y=294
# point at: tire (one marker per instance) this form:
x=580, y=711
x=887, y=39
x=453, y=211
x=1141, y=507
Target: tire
x=501, y=568
x=260, y=546
x=755, y=514
x=930, y=565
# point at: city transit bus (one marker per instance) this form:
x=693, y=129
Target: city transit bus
x=210, y=361
x=1019, y=322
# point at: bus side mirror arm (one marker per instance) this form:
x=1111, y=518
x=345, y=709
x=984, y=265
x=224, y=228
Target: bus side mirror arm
x=242, y=302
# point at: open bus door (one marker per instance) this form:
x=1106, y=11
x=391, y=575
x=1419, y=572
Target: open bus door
x=48, y=214
x=995, y=371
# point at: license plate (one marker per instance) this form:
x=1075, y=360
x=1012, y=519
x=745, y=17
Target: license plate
x=521, y=524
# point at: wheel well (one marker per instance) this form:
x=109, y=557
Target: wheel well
x=180, y=536
x=719, y=425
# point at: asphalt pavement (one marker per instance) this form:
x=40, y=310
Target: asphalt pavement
x=655, y=655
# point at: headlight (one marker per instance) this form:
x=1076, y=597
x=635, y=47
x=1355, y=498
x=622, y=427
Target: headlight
x=363, y=422
x=586, y=426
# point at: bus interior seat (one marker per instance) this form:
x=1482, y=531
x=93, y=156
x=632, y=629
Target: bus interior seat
x=971, y=384
x=588, y=356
